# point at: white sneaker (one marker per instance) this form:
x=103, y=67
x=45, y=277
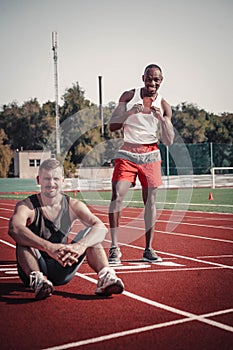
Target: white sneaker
x=42, y=287
x=109, y=284
x=114, y=255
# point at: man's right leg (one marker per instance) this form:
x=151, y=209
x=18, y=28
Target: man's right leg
x=30, y=266
x=119, y=190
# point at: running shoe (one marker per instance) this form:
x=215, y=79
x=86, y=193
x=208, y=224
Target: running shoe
x=151, y=256
x=42, y=287
x=114, y=255
x=109, y=284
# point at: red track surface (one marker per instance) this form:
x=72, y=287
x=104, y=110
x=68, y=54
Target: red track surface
x=183, y=303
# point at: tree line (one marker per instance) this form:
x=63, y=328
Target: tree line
x=86, y=140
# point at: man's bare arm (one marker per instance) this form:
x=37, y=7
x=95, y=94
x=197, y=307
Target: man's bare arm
x=120, y=114
x=166, y=127
x=70, y=253
x=23, y=236
x=97, y=231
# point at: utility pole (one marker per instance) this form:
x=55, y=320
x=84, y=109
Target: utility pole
x=54, y=48
x=101, y=106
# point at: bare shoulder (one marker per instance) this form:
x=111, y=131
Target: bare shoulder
x=166, y=107
x=23, y=212
x=24, y=204
x=75, y=202
x=77, y=207
x=127, y=96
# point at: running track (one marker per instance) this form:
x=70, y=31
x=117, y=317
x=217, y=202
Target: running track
x=183, y=303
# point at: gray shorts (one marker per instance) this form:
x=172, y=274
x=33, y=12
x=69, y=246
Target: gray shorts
x=56, y=273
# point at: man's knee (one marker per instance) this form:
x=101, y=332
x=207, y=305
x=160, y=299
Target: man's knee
x=96, y=252
x=117, y=200
x=22, y=251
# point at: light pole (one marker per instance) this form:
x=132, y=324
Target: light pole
x=54, y=48
x=101, y=106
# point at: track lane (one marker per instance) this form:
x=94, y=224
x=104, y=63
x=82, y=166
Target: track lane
x=158, y=326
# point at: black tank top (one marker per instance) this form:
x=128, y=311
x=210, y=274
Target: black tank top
x=54, y=231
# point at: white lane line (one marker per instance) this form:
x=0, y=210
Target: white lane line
x=217, y=313
x=144, y=266
x=7, y=243
x=131, y=267
x=181, y=256
x=166, y=307
x=8, y=269
x=170, y=221
x=176, y=233
x=215, y=256
x=188, y=318
x=176, y=212
x=174, y=255
x=116, y=335
x=159, y=270
x=195, y=236
x=183, y=235
x=199, y=260
x=190, y=315
x=195, y=224
x=8, y=205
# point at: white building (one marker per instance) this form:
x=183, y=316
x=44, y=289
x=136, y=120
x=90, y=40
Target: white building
x=26, y=163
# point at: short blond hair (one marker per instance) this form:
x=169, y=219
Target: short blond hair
x=51, y=164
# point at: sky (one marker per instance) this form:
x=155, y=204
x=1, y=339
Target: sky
x=192, y=41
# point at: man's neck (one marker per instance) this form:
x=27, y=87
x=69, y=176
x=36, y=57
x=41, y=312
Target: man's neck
x=51, y=202
x=144, y=93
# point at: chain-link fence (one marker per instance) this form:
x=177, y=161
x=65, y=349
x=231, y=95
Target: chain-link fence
x=196, y=159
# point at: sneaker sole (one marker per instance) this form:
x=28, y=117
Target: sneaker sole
x=116, y=288
x=152, y=261
x=45, y=292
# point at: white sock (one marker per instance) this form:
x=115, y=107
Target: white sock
x=104, y=270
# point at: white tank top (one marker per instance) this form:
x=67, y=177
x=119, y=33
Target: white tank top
x=141, y=128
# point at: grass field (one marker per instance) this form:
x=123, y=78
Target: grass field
x=179, y=199
x=194, y=199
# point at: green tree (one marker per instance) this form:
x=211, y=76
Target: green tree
x=74, y=101
x=32, y=127
x=190, y=123
x=221, y=129
x=78, y=120
x=5, y=154
x=29, y=126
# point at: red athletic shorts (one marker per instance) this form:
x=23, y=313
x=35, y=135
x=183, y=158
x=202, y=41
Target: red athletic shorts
x=149, y=174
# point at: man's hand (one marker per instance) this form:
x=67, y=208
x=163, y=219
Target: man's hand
x=53, y=250
x=69, y=253
x=137, y=108
x=157, y=113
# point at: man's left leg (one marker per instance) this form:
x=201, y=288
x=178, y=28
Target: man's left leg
x=149, y=200
x=108, y=282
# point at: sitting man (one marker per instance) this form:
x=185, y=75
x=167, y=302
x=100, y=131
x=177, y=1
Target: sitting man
x=40, y=227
